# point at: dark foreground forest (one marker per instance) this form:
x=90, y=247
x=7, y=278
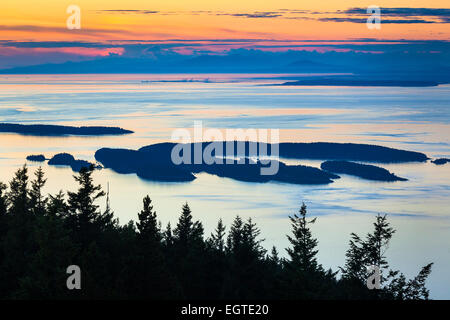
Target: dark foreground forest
x=40, y=236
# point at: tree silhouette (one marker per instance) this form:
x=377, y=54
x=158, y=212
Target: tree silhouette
x=246, y=261
x=188, y=246
x=217, y=239
x=57, y=205
x=303, y=252
x=37, y=200
x=371, y=252
x=305, y=278
x=18, y=194
x=148, y=224
x=40, y=236
x=83, y=213
x=3, y=198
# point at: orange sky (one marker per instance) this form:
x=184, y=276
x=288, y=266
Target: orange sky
x=45, y=20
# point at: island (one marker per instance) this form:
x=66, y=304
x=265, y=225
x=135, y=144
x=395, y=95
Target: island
x=36, y=158
x=440, y=161
x=360, y=83
x=66, y=159
x=348, y=151
x=247, y=161
x=57, y=130
x=309, y=151
x=154, y=162
x=250, y=171
x=364, y=171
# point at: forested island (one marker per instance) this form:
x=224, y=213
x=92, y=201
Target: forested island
x=41, y=235
x=66, y=159
x=361, y=83
x=57, y=130
x=154, y=162
x=440, y=161
x=36, y=158
x=349, y=152
x=364, y=171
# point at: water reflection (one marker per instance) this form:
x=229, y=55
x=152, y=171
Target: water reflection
x=411, y=118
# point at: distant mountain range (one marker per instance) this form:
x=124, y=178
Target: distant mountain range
x=202, y=64
x=384, y=67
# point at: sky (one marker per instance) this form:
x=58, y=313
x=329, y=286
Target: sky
x=34, y=32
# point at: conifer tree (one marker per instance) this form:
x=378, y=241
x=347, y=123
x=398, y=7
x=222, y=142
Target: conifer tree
x=416, y=289
x=18, y=245
x=304, y=247
x=371, y=252
x=187, y=232
x=18, y=194
x=401, y=289
x=250, y=240
x=83, y=212
x=273, y=273
x=106, y=218
x=3, y=199
x=216, y=260
x=304, y=278
x=37, y=200
x=148, y=224
x=274, y=258
x=188, y=246
x=3, y=231
x=377, y=243
x=57, y=205
x=217, y=239
x=235, y=236
x=168, y=237
x=152, y=279
x=183, y=230
x=245, y=278
x=82, y=202
x=354, y=269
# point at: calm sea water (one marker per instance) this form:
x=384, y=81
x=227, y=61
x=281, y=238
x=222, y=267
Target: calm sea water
x=416, y=119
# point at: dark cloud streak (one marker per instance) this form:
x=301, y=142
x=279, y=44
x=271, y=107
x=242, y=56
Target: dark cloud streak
x=127, y=11
x=415, y=15
x=404, y=12
x=383, y=21
x=253, y=15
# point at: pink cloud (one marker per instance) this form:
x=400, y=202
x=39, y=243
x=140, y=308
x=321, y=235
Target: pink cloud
x=80, y=51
